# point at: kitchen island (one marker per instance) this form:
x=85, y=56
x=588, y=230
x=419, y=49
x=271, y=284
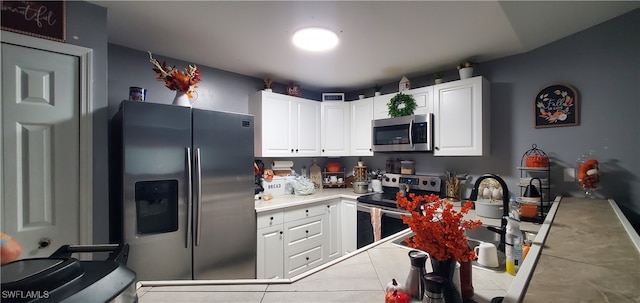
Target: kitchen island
x=362, y=275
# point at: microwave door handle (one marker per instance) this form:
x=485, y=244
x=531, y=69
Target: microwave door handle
x=189, y=201
x=411, y=133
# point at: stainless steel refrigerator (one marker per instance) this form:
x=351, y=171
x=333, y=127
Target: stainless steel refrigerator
x=182, y=191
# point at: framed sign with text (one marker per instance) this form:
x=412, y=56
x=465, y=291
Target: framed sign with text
x=43, y=19
x=556, y=105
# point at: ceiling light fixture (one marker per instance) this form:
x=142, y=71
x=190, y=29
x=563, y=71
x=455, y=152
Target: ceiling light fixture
x=315, y=39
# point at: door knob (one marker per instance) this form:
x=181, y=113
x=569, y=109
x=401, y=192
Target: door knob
x=44, y=243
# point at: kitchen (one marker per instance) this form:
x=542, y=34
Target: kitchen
x=514, y=81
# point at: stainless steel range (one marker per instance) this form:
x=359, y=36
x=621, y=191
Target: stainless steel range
x=382, y=208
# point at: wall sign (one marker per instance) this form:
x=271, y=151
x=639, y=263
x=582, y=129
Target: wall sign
x=556, y=105
x=43, y=19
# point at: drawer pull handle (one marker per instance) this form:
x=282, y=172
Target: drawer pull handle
x=307, y=258
x=271, y=218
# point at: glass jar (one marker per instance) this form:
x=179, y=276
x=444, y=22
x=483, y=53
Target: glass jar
x=588, y=174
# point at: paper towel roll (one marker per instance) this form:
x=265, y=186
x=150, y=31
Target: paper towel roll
x=282, y=164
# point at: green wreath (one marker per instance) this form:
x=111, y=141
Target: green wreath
x=401, y=99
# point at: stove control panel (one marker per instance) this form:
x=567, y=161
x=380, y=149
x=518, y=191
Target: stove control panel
x=419, y=182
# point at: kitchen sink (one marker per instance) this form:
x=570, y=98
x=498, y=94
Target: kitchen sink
x=476, y=236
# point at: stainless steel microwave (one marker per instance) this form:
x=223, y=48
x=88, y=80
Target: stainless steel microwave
x=403, y=134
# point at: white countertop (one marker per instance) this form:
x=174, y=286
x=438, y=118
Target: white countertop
x=284, y=201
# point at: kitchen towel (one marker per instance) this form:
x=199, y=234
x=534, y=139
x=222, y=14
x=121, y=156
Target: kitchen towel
x=376, y=222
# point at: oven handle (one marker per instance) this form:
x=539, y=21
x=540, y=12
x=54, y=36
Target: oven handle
x=383, y=211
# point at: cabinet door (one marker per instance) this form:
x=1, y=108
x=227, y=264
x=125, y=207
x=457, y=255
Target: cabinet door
x=361, y=116
x=335, y=129
x=333, y=227
x=348, y=228
x=306, y=128
x=380, y=108
x=461, y=118
x=270, y=256
x=276, y=123
x=424, y=99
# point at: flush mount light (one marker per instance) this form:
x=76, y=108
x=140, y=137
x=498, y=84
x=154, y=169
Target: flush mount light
x=315, y=39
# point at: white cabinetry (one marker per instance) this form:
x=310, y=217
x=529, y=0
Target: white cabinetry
x=461, y=118
x=335, y=128
x=285, y=126
x=270, y=262
x=361, y=116
x=297, y=239
x=349, y=226
x=380, y=108
x=424, y=99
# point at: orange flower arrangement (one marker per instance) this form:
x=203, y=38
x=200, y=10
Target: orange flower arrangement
x=439, y=233
x=174, y=79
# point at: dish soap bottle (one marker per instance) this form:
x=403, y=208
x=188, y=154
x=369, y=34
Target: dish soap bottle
x=513, y=246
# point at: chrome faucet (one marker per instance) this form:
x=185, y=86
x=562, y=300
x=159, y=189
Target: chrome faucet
x=505, y=205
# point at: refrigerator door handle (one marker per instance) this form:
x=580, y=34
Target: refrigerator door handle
x=189, y=202
x=199, y=196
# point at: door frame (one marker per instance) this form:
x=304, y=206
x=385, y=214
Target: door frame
x=85, y=56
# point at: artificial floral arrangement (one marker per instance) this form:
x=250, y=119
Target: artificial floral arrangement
x=439, y=229
x=401, y=105
x=182, y=81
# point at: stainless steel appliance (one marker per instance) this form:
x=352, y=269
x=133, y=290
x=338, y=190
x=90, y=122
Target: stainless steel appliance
x=182, y=191
x=391, y=222
x=409, y=133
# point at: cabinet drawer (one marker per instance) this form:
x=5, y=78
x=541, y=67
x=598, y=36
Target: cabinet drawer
x=303, y=258
x=304, y=212
x=303, y=231
x=270, y=219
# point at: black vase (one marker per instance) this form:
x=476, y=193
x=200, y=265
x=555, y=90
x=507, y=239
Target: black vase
x=446, y=269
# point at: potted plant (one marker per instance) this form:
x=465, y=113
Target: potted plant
x=465, y=69
x=437, y=77
x=401, y=105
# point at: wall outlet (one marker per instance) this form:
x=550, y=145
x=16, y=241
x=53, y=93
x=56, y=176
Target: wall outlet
x=569, y=174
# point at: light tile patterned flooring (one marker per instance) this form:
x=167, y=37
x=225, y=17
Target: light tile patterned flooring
x=360, y=278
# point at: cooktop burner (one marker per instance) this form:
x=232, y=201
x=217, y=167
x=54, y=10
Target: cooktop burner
x=419, y=184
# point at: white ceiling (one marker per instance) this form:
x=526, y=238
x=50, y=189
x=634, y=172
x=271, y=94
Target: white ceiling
x=380, y=41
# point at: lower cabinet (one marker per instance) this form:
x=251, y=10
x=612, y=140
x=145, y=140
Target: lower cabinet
x=349, y=226
x=306, y=237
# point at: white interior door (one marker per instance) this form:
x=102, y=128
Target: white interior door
x=40, y=120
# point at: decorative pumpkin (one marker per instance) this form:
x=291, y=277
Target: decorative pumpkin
x=401, y=105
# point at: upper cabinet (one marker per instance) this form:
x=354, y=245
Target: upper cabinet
x=335, y=128
x=380, y=108
x=461, y=118
x=361, y=116
x=422, y=95
x=285, y=126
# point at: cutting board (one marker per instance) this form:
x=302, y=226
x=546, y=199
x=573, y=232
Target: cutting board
x=315, y=175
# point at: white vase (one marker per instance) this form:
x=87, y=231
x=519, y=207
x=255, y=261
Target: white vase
x=438, y=81
x=181, y=99
x=466, y=73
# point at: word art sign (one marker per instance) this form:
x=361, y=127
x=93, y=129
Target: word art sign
x=556, y=105
x=43, y=19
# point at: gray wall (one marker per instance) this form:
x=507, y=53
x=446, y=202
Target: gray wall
x=87, y=27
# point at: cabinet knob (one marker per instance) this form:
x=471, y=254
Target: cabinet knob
x=271, y=218
x=296, y=150
x=323, y=150
x=281, y=232
x=369, y=149
x=307, y=211
x=307, y=258
x=292, y=150
x=437, y=148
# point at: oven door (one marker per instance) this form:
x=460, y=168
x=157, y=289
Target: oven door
x=410, y=133
x=390, y=223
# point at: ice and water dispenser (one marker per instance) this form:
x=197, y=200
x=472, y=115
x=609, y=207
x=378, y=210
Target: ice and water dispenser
x=156, y=206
